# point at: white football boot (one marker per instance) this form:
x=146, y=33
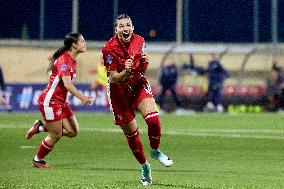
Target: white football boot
x=164, y=160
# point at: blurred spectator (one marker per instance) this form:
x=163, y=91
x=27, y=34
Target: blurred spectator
x=216, y=76
x=275, y=89
x=168, y=76
x=190, y=66
x=2, y=82
x=3, y=102
x=101, y=77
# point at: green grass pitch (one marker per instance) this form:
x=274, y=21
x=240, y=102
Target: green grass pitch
x=209, y=151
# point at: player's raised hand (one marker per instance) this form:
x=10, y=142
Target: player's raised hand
x=128, y=65
x=145, y=57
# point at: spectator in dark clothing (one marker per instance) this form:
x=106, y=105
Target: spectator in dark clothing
x=2, y=82
x=3, y=102
x=275, y=89
x=168, y=77
x=216, y=76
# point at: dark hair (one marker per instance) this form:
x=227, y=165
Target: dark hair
x=121, y=16
x=69, y=39
x=275, y=67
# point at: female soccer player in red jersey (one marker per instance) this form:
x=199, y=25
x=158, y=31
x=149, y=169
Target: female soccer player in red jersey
x=128, y=90
x=58, y=116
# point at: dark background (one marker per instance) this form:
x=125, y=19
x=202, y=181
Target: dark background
x=209, y=20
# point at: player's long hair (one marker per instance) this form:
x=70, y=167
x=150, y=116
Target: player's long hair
x=121, y=16
x=69, y=39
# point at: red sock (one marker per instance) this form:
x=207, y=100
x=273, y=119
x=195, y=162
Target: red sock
x=136, y=146
x=43, y=149
x=154, y=129
x=44, y=128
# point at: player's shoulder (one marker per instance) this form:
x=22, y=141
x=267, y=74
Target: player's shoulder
x=138, y=38
x=109, y=44
x=64, y=58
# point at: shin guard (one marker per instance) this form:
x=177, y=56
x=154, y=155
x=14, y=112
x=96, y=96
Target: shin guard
x=43, y=149
x=154, y=129
x=136, y=146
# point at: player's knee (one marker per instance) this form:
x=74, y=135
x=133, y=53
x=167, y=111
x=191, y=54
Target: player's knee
x=152, y=118
x=55, y=137
x=73, y=133
x=153, y=121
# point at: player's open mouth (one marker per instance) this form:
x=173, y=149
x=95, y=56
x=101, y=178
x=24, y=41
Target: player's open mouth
x=126, y=35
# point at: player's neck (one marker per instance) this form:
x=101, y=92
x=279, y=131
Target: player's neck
x=73, y=54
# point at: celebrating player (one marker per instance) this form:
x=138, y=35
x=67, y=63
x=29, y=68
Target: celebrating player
x=58, y=116
x=128, y=90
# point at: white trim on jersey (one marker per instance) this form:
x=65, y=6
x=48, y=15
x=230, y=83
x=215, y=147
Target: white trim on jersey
x=51, y=91
x=109, y=100
x=48, y=111
x=108, y=95
x=55, y=62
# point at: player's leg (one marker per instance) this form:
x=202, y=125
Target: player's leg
x=121, y=105
x=47, y=144
x=124, y=115
x=210, y=107
x=70, y=123
x=131, y=133
x=217, y=100
x=38, y=126
x=70, y=127
x=148, y=109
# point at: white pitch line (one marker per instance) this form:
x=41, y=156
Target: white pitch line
x=226, y=133
x=253, y=134
x=275, y=131
x=28, y=147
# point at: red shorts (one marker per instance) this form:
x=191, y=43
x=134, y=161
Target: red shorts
x=124, y=102
x=55, y=112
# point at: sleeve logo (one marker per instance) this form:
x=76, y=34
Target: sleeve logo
x=108, y=59
x=63, y=67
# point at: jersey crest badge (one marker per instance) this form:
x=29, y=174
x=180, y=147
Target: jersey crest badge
x=108, y=59
x=63, y=67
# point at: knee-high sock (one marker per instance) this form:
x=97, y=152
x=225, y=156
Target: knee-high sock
x=136, y=146
x=154, y=129
x=43, y=149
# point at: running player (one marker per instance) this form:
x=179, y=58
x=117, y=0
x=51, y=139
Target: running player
x=58, y=116
x=128, y=90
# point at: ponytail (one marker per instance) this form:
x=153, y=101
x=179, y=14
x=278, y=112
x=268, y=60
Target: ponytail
x=55, y=55
x=69, y=39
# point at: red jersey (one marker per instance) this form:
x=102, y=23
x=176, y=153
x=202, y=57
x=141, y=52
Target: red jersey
x=125, y=96
x=115, y=53
x=55, y=93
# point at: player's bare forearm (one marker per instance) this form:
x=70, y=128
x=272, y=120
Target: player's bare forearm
x=74, y=91
x=116, y=77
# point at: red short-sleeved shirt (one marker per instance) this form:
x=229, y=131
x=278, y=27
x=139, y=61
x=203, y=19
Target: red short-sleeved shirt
x=52, y=101
x=55, y=92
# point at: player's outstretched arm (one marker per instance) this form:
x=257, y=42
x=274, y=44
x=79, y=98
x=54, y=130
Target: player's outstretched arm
x=74, y=91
